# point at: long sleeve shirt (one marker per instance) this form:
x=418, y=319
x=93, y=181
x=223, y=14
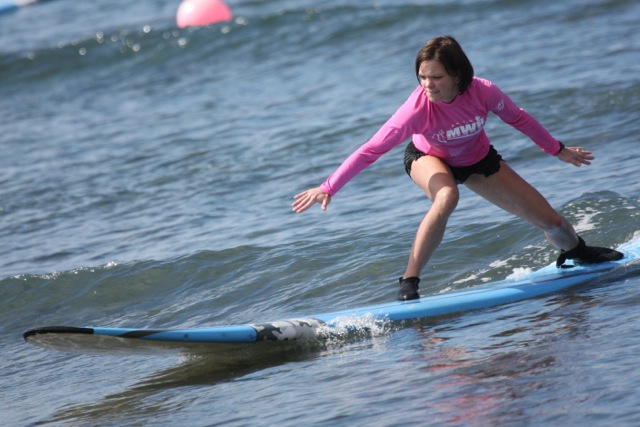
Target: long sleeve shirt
x=453, y=132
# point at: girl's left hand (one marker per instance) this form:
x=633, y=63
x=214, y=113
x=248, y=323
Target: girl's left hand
x=577, y=156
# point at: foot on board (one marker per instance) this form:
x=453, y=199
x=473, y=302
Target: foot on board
x=583, y=254
x=408, y=288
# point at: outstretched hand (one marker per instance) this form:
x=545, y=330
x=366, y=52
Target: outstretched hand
x=576, y=156
x=308, y=198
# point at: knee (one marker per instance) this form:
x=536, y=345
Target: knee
x=447, y=199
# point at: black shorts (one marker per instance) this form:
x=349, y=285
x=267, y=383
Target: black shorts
x=489, y=165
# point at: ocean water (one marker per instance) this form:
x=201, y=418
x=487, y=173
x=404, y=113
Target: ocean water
x=146, y=178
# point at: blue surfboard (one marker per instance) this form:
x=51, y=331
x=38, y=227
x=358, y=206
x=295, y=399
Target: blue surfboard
x=320, y=327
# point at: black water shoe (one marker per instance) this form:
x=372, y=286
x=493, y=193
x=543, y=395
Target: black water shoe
x=408, y=288
x=583, y=254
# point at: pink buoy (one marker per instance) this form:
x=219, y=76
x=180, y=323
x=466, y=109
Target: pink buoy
x=194, y=13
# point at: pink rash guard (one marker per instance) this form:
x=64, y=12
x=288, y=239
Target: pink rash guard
x=453, y=132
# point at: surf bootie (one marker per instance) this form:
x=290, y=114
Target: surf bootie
x=408, y=288
x=583, y=254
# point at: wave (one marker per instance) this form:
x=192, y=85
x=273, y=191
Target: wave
x=260, y=283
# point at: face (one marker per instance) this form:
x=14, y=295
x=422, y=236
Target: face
x=437, y=84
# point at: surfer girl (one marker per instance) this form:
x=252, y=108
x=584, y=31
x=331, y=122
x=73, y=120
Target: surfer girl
x=444, y=117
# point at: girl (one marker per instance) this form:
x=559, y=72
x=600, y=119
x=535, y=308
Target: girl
x=445, y=117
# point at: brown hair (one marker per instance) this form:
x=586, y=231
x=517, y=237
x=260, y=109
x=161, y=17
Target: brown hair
x=449, y=53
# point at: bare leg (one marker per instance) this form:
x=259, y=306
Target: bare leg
x=436, y=180
x=507, y=190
